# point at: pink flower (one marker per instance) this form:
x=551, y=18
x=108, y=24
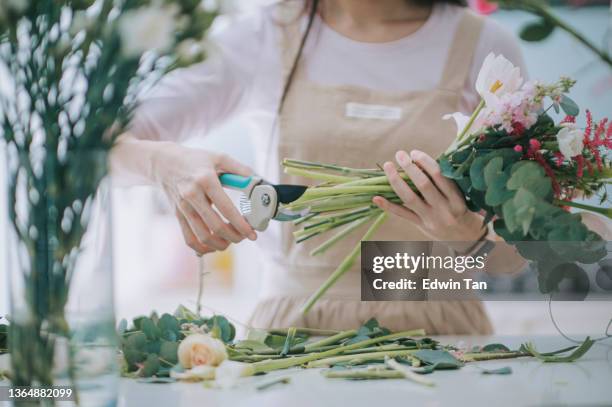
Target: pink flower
x=534, y=145
x=518, y=149
x=483, y=6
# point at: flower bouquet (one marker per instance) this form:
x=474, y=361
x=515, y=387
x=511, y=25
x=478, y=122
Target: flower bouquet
x=510, y=159
x=72, y=73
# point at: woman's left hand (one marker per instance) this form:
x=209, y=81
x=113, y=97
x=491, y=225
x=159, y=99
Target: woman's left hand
x=440, y=212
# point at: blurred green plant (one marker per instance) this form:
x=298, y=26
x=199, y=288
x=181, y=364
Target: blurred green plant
x=548, y=21
x=75, y=71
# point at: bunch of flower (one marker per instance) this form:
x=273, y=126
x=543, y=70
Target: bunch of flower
x=512, y=162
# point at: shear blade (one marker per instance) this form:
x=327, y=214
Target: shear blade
x=289, y=193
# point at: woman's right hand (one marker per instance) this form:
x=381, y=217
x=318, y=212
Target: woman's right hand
x=190, y=178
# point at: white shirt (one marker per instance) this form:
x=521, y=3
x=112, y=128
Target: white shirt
x=243, y=73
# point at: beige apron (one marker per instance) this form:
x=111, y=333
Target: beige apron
x=314, y=125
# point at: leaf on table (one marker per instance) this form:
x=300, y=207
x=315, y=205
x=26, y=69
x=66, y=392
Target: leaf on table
x=500, y=371
x=495, y=347
x=554, y=358
x=436, y=359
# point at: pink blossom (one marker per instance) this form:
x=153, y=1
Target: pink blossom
x=518, y=149
x=483, y=6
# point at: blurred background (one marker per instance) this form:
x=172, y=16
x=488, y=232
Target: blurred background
x=155, y=270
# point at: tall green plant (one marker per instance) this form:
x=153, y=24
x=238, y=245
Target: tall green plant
x=75, y=70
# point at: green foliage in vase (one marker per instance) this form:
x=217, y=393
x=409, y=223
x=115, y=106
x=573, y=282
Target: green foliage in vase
x=149, y=347
x=75, y=72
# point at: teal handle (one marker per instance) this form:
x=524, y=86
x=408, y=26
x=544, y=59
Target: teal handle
x=235, y=181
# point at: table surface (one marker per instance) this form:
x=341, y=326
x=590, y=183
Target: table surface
x=532, y=383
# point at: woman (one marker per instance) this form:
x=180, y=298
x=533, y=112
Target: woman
x=344, y=81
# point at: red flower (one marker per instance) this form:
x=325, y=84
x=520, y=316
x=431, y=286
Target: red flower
x=482, y=6
x=534, y=145
x=569, y=119
x=580, y=162
x=559, y=158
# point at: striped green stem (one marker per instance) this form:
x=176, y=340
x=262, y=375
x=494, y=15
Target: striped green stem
x=362, y=358
x=320, y=176
x=287, y=162
x=344, y=266
x=339, y=236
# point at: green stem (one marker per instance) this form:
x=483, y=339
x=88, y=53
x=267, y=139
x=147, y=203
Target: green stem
x=341, y=190
x=602, y=211
x=287, y=162
x=361, y=358
x=344, y=266
x=271, y=365
x=339, y=236
x=338, y=179
x=364, y=374
x=330, y=340
x=473, y=117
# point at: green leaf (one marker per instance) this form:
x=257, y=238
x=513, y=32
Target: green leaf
x=531, y=176
x=500, y=371
x=255, y=346
x=495, y=347
x=526, y=203
x=436, y=359
x=169, y=323
x=169, y=351
x=495, y=179
x=150, y=366
x=569, y=106
x=575, y=355
x=477, y=173
x=537, y=31
x=136, y=340
x=132, y=357
x=221, y=328
x=150, y=329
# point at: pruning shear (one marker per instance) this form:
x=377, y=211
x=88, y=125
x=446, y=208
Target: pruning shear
x=260, y=200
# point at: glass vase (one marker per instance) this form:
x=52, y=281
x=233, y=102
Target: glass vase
x=62, y=322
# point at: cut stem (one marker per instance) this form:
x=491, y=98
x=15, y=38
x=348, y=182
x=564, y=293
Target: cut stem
x=344, y=266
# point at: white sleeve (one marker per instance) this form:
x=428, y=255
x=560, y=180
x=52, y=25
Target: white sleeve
x=499, y=40
x=191, y=101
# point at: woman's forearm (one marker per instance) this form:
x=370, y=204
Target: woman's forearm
x=133, y=161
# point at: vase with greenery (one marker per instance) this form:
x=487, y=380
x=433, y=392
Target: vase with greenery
x=72, y=71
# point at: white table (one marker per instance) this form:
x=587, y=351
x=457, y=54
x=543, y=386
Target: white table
x=532, y=383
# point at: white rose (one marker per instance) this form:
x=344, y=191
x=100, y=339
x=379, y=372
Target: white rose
x=201, y=350
x=571, y=141
x=147, y=29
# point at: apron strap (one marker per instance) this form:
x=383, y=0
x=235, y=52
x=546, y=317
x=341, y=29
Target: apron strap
x=290, y=21
x=462, y=50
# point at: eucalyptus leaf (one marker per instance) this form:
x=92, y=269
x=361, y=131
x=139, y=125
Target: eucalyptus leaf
x=436, y=359
x=150, y=366
x=569, y=106
x=537, y=31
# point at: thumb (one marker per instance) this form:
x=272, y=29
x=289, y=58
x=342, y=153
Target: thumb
x=228, y=164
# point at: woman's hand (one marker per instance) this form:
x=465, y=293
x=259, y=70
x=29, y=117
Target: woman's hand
x=190, y=177
x=440, y=212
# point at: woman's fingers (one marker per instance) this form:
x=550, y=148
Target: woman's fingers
x=200, y=228
x=403, y=191
x=224, y=204
x=190, y=238
x=226, y=163
x=397, y=210
x=445, y=185
x=420, y=180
